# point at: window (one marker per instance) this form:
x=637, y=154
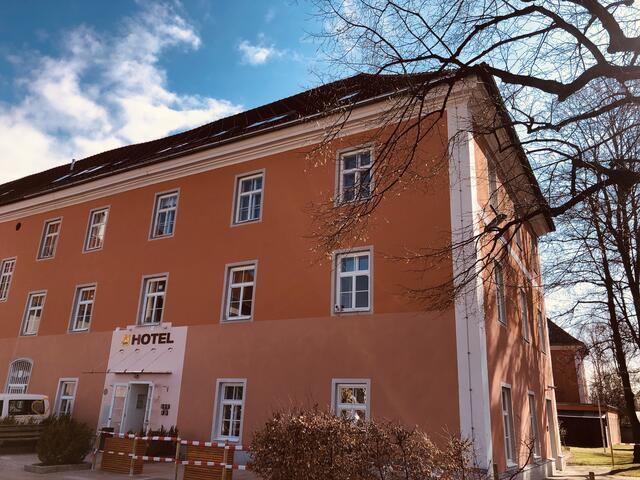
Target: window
x=18, y=376
x=96, y=230
x=18, y=408
x=33, y=313
x=355, y=176
x=351, y=399
x=154, y=291
x=533, y=426
x=534, y=252
x=518, y=236
x=66, y=397
x=507, y=424
x=542, y=338
x=240, y=292
x=49, y=240
x=230, y=409
x=524, y=315
x=164, y=217
x=353, y=282
x=500, y=298
x=493, y=184
x=83, y=308
x=248, y=202
x=6, y=274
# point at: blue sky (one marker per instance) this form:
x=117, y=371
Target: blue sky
x=79, y=77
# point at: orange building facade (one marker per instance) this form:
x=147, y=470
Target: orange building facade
x=184, y=289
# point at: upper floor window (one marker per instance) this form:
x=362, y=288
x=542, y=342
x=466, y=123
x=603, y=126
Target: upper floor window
x=240, y=292
x=542, y=338
x=49, y=241
x=353, y=282
x=164, y=215
x=96, y=230
x=230, y=410
x=248, y=202
x=18, y=376
x=355, y=170
x=66, y=397
x=524, y=314
x=6, y=274
x=493, y=184
x=83, y=308
x=153, y=296
x=498, y=274
x=518, y=236
x=351, y=399
x=33, y=313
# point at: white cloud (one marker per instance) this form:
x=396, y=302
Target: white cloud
x=101, y=92
x=257, y=54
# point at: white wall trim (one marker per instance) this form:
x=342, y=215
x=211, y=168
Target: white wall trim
x=473, y=377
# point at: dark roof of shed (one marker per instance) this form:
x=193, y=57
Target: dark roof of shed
x=560, y=337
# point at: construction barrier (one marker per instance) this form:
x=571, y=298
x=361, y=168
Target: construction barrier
x=125, y=453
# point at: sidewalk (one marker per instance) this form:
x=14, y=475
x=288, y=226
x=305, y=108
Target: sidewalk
x=11, y=468
x=581, y=472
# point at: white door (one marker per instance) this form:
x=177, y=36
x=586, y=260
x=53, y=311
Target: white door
x=117, y=411
x=137, y=407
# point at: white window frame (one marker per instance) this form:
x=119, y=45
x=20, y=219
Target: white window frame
x=501, y=305
x=96, y=225
x=60, y=397
x=146, y=280
x=338, y=274
x=18, y=387
x=157, y=211
x=510, y=452
x=216, y=433
x=341, y=171
x=523, y=301
x=46, y=235
x=29, y=308
x=77, y=303
x=533, y=423
x=337, y=407
x=229, y=285
x=6, y=276
x=238, y=194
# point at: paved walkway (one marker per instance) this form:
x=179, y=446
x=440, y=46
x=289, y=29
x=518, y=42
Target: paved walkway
x=580, y=472
x=12, y=468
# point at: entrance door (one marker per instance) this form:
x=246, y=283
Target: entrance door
x=551, y=429
x=117, y=407
x=137, y=407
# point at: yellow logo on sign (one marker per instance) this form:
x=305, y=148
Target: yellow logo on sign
x=126, y=339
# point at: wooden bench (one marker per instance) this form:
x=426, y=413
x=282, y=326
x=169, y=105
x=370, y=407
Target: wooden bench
x=20, y=433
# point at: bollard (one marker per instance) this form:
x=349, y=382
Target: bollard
x=496, y=475
x=96, y=447
x=175, y=473
x=592, y=476
x=133, y=456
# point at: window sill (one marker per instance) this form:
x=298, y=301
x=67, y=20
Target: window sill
x=353, y=312
x=84, y=330
x=29, y=334
x=236, y=319
x=246, y=222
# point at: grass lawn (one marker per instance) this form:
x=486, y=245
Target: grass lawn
x=622, y=454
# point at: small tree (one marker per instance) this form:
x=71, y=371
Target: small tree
x=64, y=441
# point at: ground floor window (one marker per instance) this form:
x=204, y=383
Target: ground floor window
x=351, y=399
x=66, y=396
x=507, y=424
x=230, y=409
x=19, y=375
x=533, y=425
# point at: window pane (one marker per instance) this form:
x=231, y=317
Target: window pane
x=347, y=264
x=362, y=283
x=248, y=275
x=246, y=308
x=350, y=161
x=346, y=284
x=365, y=158
x=362, y=299
x=255, y=210
x=363, y=262
x=348, y=180
x=345, y=300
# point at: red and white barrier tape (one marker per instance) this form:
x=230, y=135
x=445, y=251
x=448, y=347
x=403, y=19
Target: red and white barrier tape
x=197, y=443
x=206, y=463
x=161, y=439
x=118, y=435
x=146, y=458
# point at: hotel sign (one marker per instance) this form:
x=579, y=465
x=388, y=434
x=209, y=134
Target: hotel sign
x=146, y=339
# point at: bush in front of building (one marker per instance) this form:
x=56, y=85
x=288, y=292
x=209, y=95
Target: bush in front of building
x=318, y=445
x=64, y=441
x=162, y=448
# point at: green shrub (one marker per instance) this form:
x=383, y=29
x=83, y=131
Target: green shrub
x=64, y=441
x=162, y=448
